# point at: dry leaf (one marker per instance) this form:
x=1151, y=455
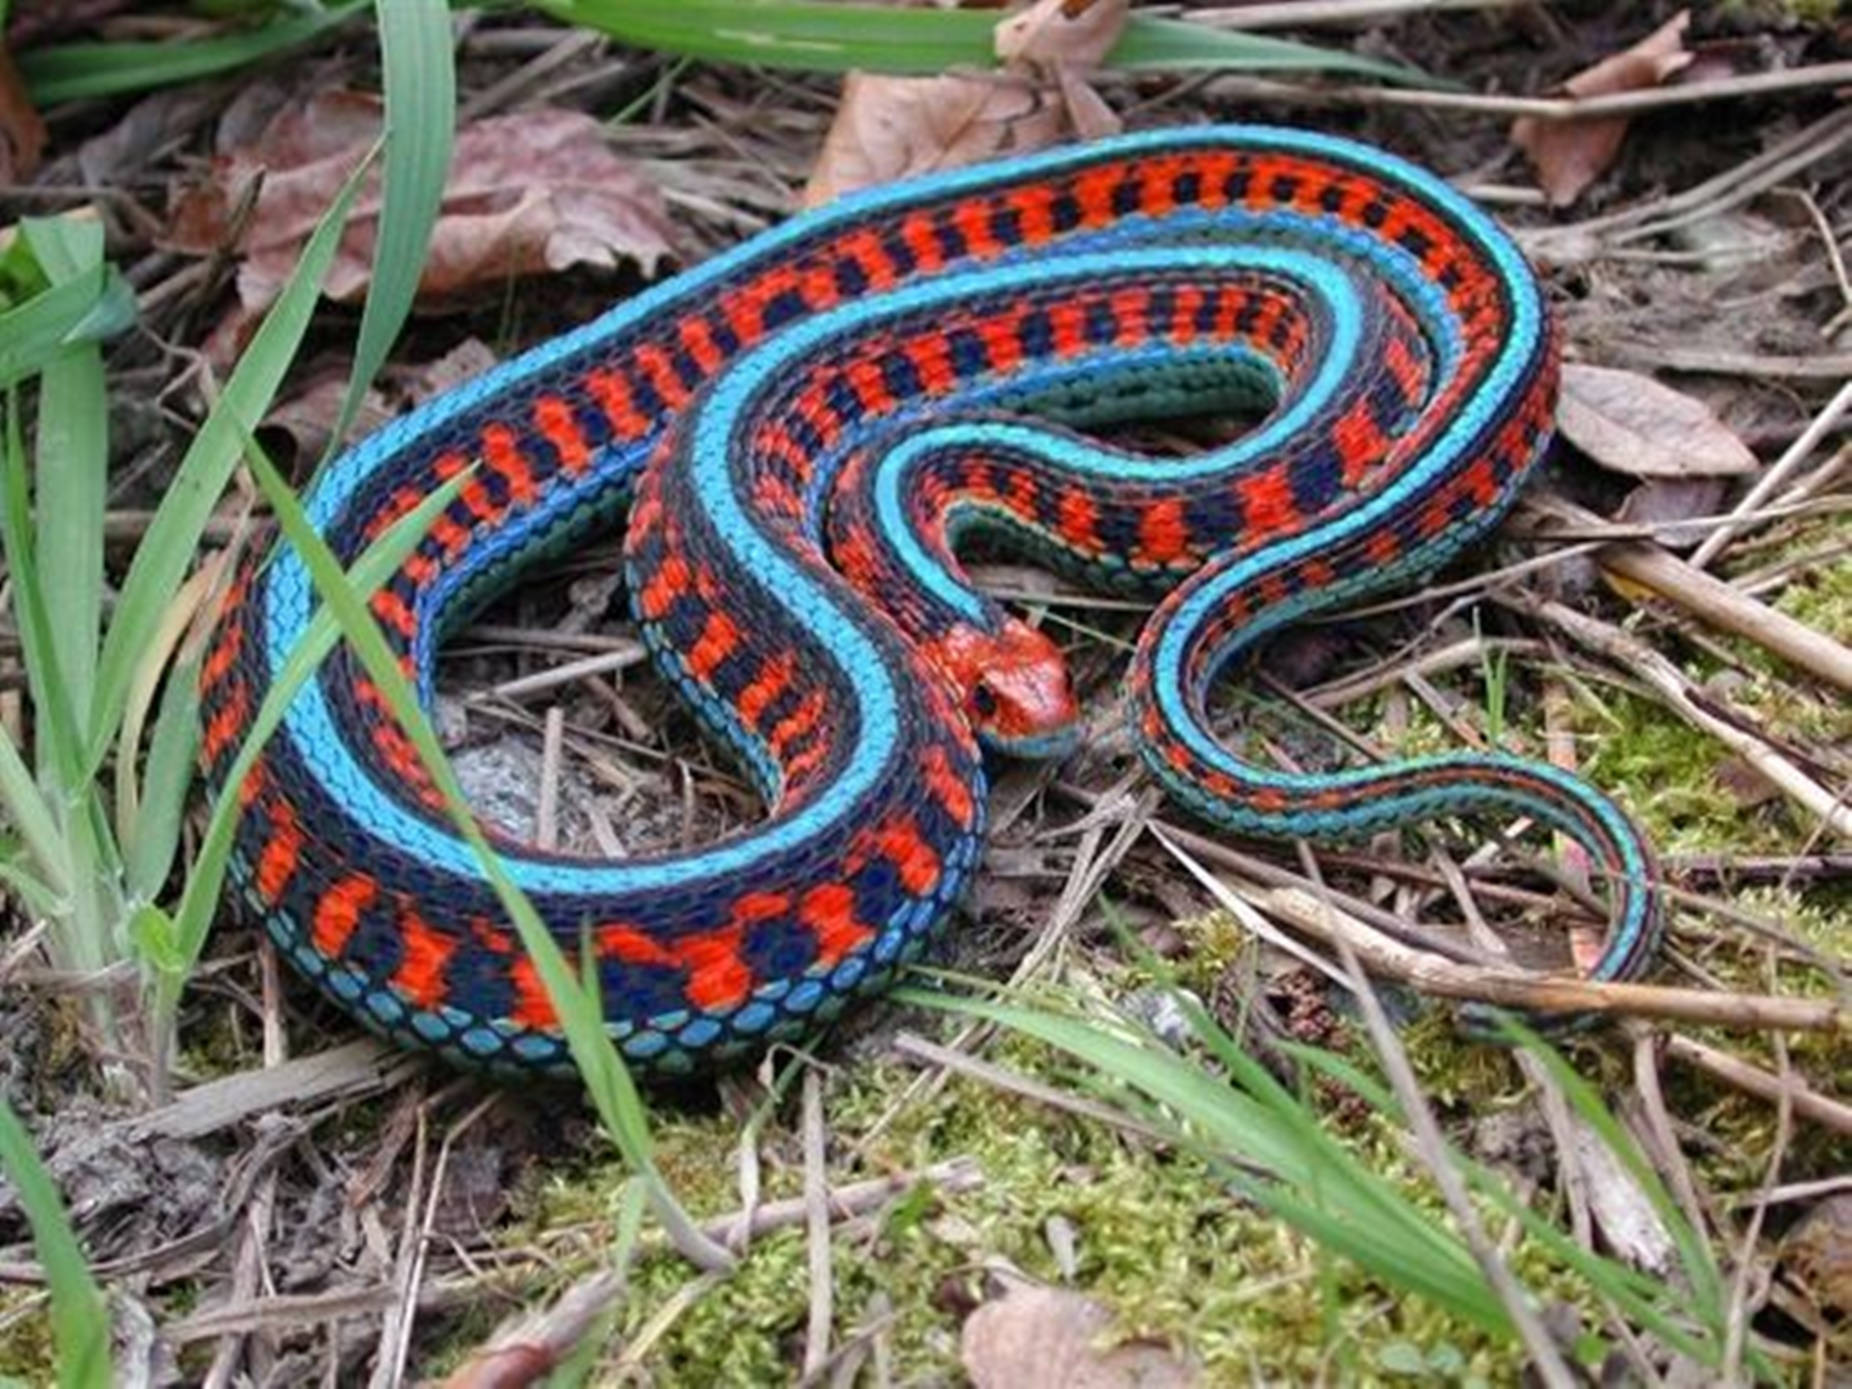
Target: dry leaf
x=22, y=132
x=1044, y=1338
x=538, y=190
x=1634, y=425
x=1745, y=784
x=1817, y=1254
x=1662, y=502
x=304, y=421
x=1570, y=155
x=890, y=127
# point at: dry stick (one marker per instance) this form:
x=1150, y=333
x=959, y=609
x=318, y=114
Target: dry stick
x=1308, y=14
x=817, y=1233
x=1736, y=1324
x=1666, y=679
x=1709, y=598
x=580, y=1305
x=953, y=1176
x=1518, y=989
x=1779, y=472
x=546, y=814
x=408, y=1266
x=541, y=1339
x=1545, y=1358
x=1259, y=870
x=1659, y=1140
x=911, y=1045
x=1736, y=185
x=1753, y=1080
x=1090, y=869
x=1821, y=367
x=1556, y=108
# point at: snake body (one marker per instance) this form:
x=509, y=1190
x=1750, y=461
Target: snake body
x=803, y=429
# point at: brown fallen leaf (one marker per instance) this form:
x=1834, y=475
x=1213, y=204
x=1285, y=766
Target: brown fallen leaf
x=889, y=127
x=1663, y=502
x=1817, y=1254
x=1570, y=155
x=299, y=427
x=538, y=190
x=1047, y=1338
x=1634, y=425
x=22, y=131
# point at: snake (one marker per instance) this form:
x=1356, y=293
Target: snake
x=799, y=436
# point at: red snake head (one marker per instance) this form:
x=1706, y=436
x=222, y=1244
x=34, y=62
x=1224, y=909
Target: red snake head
x=1014, y=687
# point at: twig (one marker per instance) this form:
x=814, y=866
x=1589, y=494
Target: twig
x=1554, y=108
x=1753, y=1080
x=1435, y=974
x=817, y=1232
x=1310, y=14
x=1664, y=677
x=1546, y=1359
x=1001, y=1078
x=1779, y=472
x=954, y=1175
x=1722, y=605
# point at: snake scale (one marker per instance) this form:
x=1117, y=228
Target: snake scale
x=801, y=432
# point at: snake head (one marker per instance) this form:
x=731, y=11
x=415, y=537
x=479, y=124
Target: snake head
x=1015, y=689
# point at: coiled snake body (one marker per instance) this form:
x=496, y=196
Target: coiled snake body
x=802, y=429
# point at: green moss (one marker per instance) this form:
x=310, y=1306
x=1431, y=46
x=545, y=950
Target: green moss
x=25, y=1338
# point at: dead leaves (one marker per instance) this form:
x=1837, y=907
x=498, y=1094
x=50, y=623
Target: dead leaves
x=22, y=131
x=1570, y=155
x=891, y=127
x=1632, y=424
x=1048, y=1338
x=535, y=191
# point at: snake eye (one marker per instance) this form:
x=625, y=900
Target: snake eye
x=983, y=701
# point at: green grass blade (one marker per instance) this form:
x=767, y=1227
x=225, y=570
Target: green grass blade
x=168, y=548
x=26, y=807
x=76, y=71
x=38, y=899
x=418, y=61
x=835, y=37
x=150, y=852
x=206, y=877
x=59, y=758
x=43, y=327
x=612, y=1090
x=71, y=478
x=1174, y=45
x=79, y=1316
x=1707, y=1286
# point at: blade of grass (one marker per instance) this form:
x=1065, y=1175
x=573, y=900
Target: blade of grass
x=38, y=899
x=1316, y=1184
x=59, y=757
x=172, y=539
x=1706, y=1281
x=71, y=477
x=612, y=1090
x=44, y=326
x=418, y=72
x=79, y=1316
x=155, y=837
x=205, y=877
x=76, y=71
x=832, y=37
x=32, y=817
